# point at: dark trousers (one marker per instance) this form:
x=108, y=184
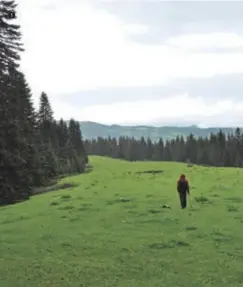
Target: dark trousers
x=183, y=199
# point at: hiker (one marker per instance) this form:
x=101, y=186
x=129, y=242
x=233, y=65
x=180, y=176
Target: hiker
x=183, y=190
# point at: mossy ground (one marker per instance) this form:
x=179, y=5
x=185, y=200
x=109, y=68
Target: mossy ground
x=110, y=229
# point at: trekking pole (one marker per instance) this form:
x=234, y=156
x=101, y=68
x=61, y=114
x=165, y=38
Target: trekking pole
x=190, y=200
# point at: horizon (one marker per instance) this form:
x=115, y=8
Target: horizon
x=118, y=66
x=161, y=126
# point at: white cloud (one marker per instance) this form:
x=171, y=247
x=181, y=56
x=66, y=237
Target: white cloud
x=71, y=46
x=76, y=46
x=176, y=109
x=204, y=41
x=136, y=29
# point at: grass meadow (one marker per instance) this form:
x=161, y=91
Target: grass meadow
x=121, y=225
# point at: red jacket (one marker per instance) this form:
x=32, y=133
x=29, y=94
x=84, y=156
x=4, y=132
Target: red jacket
x=183, y=184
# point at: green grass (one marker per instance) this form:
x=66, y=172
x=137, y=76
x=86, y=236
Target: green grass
x=110, y=230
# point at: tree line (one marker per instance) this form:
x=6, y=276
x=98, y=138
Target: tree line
x=218, y=149
x=34, y=148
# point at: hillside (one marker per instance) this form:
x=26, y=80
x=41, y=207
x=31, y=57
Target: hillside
x=111, y=229
x=93, y=130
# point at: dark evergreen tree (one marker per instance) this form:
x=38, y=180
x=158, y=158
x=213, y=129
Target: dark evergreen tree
x=160, y=149
x=216, y=150
x=45, y=111
x=34, y=148
x=10, y=38
x=77, y=152
x=46, y=127
x=15, y=148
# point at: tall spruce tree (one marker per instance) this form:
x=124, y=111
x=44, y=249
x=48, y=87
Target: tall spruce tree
x=46, y=150
x=15, y=180
x=77, y=151
x=45, y=110
x=63, y=146
x=10, y=37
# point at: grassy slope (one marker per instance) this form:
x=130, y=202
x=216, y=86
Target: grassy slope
x=93, y=130
x=86, y=236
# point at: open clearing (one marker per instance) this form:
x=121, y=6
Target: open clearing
x=110, y=229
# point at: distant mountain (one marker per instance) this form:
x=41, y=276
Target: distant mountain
x=92, y=130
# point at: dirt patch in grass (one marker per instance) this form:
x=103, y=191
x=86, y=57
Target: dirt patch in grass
x=66, y=207
x=66, y=245
x=232, y=208
x=170, y=244
x=66, y=197
x=191, y=228
x=153, y=171
x=76, y=218
x=119, y=200
x=181, y=243
x=84, y=207
x=154, y=211
x=202, y=199
x=160, y=246
x=54, y=203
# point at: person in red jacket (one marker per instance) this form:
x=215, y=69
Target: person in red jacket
x=183, y=190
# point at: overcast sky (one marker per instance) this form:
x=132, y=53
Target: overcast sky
x=136, y=62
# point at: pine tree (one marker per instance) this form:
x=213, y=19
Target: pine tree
x=167, y=151
x=77, y=152
x=161, y=149
x=45, y=111
x=45, y=118
x=63, y=152
x=10, y=38
x=149, y=153
x=217, y=149
x=15, y=180
x=238, y=147
x=46, y=127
